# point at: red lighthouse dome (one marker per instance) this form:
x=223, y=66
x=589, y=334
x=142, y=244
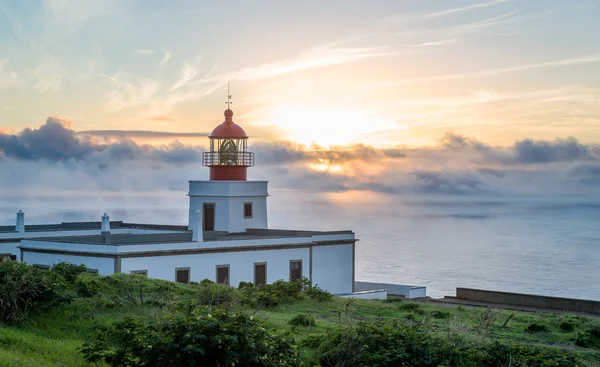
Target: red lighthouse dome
x=228, y=129
x=228, y=158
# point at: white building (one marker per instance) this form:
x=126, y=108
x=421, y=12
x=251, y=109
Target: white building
x=227, y=238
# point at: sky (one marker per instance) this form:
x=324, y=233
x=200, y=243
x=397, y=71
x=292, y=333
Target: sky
x=398, y=96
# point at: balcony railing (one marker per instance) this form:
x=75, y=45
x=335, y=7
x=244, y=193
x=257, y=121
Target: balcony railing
x=226, y=158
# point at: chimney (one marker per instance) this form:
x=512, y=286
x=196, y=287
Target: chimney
x=198, y=228
x=105, y=228
x=20, y=222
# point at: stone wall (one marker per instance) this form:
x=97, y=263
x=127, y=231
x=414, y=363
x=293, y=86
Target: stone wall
x=528, y=300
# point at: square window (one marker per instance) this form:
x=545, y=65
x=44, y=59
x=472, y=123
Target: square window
x=141, y=272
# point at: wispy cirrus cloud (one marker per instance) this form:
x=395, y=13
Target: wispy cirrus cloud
x=464, y=8
x=8, y=77
x=591, y=59
x=165, y=59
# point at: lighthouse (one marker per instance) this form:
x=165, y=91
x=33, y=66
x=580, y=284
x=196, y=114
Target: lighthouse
x=228, y=202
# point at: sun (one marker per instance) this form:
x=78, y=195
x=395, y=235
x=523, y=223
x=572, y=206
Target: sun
x=326, y=126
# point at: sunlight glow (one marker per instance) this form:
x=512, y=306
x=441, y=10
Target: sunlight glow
x=327, y=126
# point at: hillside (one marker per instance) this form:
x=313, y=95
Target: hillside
x=77, y=305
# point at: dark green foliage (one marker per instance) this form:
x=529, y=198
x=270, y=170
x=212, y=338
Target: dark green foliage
x=567, y=326
x=281, y=292
x=536, y=328
x=387, y=344
x=20, y=285
x=246, y=285
x=69, y=271
x=392, y=300
x=136, y=289
x=440, y=314
x=88, y=285
x=302, y=320
x=589, y=338
x=409, y=306
x=204, y=339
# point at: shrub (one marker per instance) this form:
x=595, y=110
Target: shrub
x=302, y=320
x=440, y=314
x=536, y=328
x=392, y=300
x=203, y=339
x=398, y=344
x=88, y=285
x=567, y=326
x=409, y=306
x=136, y=289
x=245, y=285
x=589, y=338
x=316, y=293
x=68, y=271
x=20, y=285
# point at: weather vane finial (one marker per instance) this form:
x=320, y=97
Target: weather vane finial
x=228, y=102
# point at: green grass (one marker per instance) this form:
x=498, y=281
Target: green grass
x=52, y=337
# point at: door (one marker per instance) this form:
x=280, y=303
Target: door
x=209, y=217
x=260, y=274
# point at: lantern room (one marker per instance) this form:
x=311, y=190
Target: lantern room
x=228, y=158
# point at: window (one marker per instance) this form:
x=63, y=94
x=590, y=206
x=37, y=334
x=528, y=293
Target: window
x=295, y=269
x=223, y=274
x=92, y=271
x=41, y=267
x=182, y=275
x=8, y=256
x=141, y=272
x=260, y=273
x=247, y=210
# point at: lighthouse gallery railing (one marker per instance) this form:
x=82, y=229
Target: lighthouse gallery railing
x=228, y=158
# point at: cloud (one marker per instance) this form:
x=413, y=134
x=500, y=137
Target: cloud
x=56, y=141
x=8, y=77
x=165, y=59
x=161, y=118
x=143, y=51
x=187, y=74
x=459, y=165
x=464, y=8
x=140, y=134
x=591, y=59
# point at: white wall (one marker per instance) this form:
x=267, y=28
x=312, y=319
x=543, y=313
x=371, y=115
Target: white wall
x=10, y=248
x=229, y=198
x=104, y=265
x=380, y=294
x=332, y=268
x=203, y=266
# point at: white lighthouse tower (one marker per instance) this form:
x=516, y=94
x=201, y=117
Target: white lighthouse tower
x=228, y=202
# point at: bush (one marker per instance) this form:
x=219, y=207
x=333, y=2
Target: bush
x=398, y=344
x=409, y=306
x=567, y=326
x=590, y=338
x=136, y=289
x=302, y=320
x=68, y=271
x=536, y=328
x=88, y=285
x=245, y=285
x=203, y=339
x=20, y=285
x=440, y=314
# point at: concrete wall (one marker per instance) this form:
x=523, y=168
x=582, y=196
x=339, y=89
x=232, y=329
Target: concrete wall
x=332, y=268
x=529, y=300
x=229, y=198
x=375, y=294
x=104, y=265
x=203, y=266
x=10, y=248
x=407, y=291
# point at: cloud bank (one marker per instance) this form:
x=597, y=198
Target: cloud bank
x=56, y=157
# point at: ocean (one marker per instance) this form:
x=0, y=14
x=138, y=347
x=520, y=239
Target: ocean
x=540, y=245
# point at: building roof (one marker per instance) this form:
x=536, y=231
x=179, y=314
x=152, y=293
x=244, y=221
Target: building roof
x=181, y=237
x=228, y=129
x=86, y=226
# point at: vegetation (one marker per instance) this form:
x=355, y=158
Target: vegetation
x=65, y=316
